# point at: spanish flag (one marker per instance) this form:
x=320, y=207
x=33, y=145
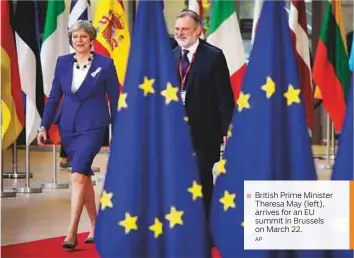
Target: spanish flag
x=113, y=39
x=12, y=111
x=331, y=68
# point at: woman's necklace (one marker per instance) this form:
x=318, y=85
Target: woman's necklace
x=78, y=66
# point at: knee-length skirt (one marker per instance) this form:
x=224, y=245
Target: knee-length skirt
x=82, y=147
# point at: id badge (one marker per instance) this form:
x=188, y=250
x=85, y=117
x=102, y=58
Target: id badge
x=183, y=96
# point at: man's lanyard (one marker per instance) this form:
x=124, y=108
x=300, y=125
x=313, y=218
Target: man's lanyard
x=183, y=78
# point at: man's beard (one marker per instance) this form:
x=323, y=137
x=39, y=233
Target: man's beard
x=186, y=42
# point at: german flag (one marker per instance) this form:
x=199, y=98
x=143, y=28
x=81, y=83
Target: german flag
x=12, y=111
x=331, y=68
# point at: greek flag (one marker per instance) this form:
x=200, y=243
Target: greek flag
x=79, y=10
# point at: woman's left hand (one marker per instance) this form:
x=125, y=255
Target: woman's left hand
x=42, y=137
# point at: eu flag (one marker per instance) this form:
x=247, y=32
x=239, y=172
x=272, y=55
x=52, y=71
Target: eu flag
x=151, y=205
x=268, y=139
x=351, y=57
x=343, y=166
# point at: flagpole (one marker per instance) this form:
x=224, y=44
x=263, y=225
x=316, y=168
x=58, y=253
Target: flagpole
x=328, y=156
x=27, y=188
x=333, y=143
x=15, y=174
x=328, y=164
x=54, y=184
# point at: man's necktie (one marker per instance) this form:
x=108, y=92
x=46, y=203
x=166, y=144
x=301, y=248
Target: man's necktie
x=185, y=61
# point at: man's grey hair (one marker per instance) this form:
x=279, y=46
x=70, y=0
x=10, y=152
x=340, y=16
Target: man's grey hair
x=86, y=26
x=191, y=14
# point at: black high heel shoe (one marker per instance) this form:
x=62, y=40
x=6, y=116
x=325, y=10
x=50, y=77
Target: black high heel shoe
x=90, y=240
x=69, y=244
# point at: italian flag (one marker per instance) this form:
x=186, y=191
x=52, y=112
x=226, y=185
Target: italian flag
x=55, y=43
x=331, y=68
x=225, y=34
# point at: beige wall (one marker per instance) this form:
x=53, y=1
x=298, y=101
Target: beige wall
x=347, y=7
x=172, y=9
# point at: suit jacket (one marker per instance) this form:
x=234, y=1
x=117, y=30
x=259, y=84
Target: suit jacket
x=87, y=108
x=209, y=98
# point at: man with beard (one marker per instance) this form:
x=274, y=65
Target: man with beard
x=207, y=95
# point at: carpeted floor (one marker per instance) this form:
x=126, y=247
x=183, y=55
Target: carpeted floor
x=51, y=247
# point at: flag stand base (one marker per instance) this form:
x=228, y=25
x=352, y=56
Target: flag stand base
x=55, y=186
x=18, y=175
x=8, y=194
x=28, y=190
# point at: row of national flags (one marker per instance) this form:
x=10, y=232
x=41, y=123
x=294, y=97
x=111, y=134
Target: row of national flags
x=151, y=202
x=331, y=70
x=331, y=74
x=28, y=63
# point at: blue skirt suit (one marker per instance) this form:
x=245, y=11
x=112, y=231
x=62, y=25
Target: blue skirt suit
x=83, y=116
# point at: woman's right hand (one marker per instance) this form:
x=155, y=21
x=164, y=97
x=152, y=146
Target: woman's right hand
x=42, y=137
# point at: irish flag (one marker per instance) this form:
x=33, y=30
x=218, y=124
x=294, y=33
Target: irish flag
x=331, y=68
x=225, y=34
x=55, y=43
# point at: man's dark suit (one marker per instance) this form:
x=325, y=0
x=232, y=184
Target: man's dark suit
x=209, y=107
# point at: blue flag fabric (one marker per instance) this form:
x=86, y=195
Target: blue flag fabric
x=343, y=166
x=268, y=138
x=351, y=57
x=79, y=10
x=151, y=204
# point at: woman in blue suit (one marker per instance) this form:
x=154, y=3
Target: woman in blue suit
x=84, y=79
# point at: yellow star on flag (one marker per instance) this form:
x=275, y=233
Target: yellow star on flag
x=186, y=119
x=129, y=223
x=228, y=200
x=292, y=95
x=174, y=217
x=195, y=190
x=242, y=224
x=269, y=87
x=122, y=102
x=221, y=166
x=242, y=101
x=106, y=200
x=146, y=86
x=156, y=228
x=229, y=131
x=170, y=93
